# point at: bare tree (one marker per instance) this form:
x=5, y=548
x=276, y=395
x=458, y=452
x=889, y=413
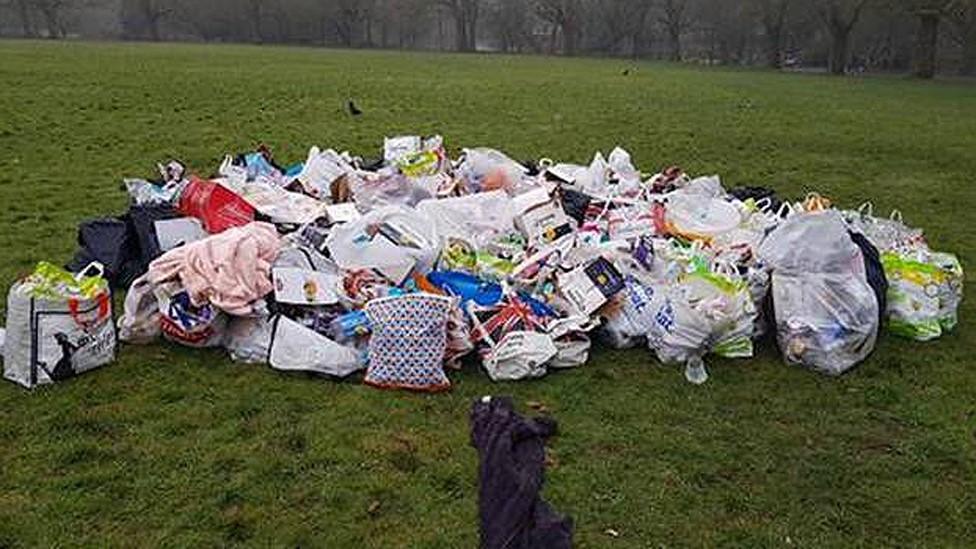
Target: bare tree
x=772, y=16
x=565, y=18
x=626, y=23
x=511, y=22
x=465, y=14
x=840, y=17
x=23, y=8
x=348, y=17
x=961, y=15
x=929, y=14
x=674, y=16
x=53, y=13
x=143, y=18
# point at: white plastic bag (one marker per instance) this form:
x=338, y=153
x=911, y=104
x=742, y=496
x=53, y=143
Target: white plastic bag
x=479, y=163
x=700, y=217
x=477, y=218
x=886, y=234
x=394, y=240
x=519, y=355
x=630, y=319
x=569, y=335
x=139, y=323
x=321, y=170
x=296, y=348
x=248, y=339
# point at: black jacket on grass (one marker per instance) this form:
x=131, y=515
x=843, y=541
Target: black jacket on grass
x=512, y=454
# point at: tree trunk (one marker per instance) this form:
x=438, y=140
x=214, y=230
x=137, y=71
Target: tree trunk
x=839, y=50
x=440, y=30
x=26, y=22
x=461, y=30
x=775, y=45
x=968, y=67
x=152, y=14
x=569, y=38
x=926, y=45
x=472, y=32
x=675, y=33
x=51, y=20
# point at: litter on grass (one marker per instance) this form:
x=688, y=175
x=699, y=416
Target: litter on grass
x=408, y=266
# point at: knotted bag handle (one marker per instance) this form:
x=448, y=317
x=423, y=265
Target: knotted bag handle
x=866, y=210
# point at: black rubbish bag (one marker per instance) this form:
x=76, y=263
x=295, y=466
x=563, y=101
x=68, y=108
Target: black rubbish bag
x=109, y=241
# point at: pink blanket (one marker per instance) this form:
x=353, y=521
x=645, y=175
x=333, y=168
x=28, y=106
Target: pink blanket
x=230, y=270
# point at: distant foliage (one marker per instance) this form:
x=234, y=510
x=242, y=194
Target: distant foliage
x=843, y=36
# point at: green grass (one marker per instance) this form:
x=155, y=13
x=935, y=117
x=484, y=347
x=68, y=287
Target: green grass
x=177, y=447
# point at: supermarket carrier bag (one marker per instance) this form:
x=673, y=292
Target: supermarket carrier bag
x=53, y=338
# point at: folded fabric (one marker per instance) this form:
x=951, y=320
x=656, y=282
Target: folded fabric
x=230, y=270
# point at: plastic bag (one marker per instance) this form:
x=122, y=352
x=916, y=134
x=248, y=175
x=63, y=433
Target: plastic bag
x=700, y=217
x=57, y=336
x=707, y=312
x=268, y=196
x=519, y=355
x=476, y=219
x=629, y=317
x=924, y=294
x=216, y=206
x=147, y=193
x=826, y=313
x=392, y=240
x=140, y=321
x=886, y=234
x=392, y=189
x=321, y=170
x=49, y=281
x=248, y=339
x=187, y=324
x=295, y=348
x=570, y=336
x=484, y=169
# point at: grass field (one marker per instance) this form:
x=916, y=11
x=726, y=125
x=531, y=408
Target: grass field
x=184, y=448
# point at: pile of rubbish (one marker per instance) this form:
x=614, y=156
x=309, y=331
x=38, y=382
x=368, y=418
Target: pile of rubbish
x=413, y=264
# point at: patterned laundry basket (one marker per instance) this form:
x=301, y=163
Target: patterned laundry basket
x=406, y=350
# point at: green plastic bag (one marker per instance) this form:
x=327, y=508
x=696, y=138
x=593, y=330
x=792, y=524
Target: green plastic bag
x=924, y=294
x=48, y=281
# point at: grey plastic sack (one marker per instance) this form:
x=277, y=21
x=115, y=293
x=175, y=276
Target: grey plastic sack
x=825, y=312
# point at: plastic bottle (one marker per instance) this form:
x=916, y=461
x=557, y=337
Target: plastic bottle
x=350, y=326
x=695, y=371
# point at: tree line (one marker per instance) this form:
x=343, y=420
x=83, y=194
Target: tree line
x=924, y=37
